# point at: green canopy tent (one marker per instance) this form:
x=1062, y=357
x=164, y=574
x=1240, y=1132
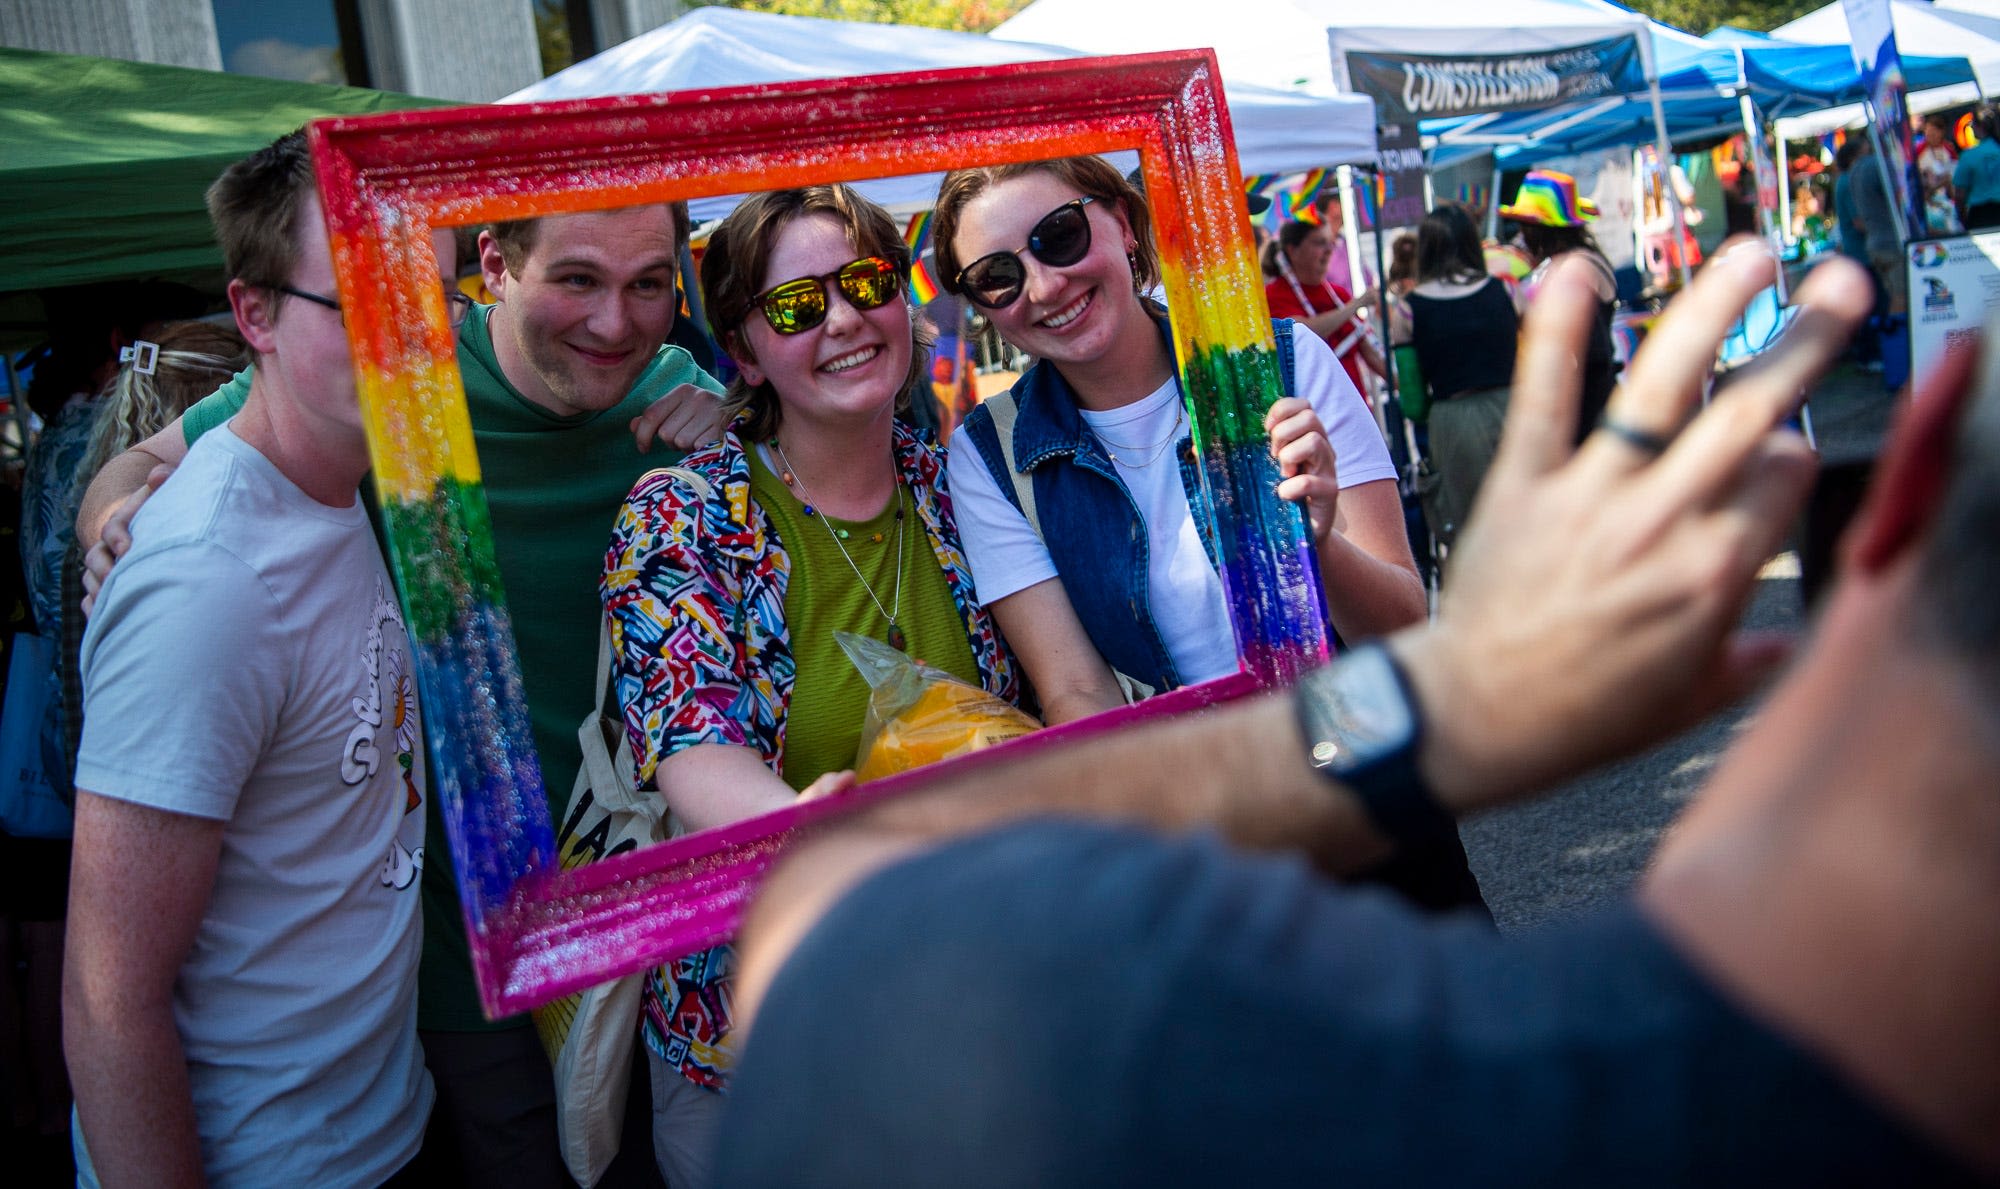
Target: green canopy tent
x=103, y=164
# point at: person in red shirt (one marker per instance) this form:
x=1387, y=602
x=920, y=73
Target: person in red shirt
x=1296, y=261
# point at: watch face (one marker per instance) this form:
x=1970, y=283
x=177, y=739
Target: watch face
x=1360, y=711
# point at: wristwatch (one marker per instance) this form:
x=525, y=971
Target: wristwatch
x=1362, y=725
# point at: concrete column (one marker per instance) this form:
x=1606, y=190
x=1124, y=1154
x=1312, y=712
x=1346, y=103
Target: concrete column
x=169, y=32
x=622, y=20
x=473, y=51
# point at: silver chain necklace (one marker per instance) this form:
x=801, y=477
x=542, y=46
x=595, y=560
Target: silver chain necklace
x=790, y=475
x=1153, y=450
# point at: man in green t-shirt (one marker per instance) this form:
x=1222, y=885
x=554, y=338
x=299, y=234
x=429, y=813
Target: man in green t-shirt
x=568, y=384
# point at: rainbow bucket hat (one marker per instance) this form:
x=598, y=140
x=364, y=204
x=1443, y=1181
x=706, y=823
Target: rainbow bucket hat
x=1549, y=198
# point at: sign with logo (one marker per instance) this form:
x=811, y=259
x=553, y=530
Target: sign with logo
x=1954, y=289
x=1411, y=87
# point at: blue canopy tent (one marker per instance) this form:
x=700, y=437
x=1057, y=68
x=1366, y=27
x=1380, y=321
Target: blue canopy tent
x=1701, y=91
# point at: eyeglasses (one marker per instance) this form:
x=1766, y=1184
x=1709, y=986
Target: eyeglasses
x=1059, y=239
x=456, y=305
x=799, y=304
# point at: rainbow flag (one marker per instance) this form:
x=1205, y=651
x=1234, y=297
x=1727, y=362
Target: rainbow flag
x=923, y=287
x=918, y=233
x=1300, y=203
x=1373, y=191
x=1274, y=214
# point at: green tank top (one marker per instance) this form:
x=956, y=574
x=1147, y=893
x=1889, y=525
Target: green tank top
x=829, y=699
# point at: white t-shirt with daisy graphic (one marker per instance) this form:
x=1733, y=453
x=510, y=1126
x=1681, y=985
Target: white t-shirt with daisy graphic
x=247, y=662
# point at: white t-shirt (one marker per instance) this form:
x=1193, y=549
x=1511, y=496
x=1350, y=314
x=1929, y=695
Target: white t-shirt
x=1187, y=600
x=247, y=662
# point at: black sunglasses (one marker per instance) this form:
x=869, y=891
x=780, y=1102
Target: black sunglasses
x=456, y=305
x=1059, y=239
x=799, y=304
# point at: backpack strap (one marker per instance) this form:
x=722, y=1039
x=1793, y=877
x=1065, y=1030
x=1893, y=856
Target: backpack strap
x=1004, y=409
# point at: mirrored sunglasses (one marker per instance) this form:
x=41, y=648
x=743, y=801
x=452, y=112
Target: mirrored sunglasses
x=1059, y=239
x=798, y=305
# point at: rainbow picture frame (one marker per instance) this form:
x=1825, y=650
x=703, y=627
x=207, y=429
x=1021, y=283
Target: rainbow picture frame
x=538, y=933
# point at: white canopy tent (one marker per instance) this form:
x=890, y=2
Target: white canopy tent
x=1276, y=131
x=1284, y=43
x=1272, y=43
x=1921, y=28
x=1984, y=8
x=1946, y=30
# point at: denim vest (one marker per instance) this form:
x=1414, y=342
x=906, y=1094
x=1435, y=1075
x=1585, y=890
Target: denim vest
x=1089, y=522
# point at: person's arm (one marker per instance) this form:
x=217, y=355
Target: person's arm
x=139, y=884
x=123, y=477
x=1329, y=322
x=1591, y=612
x=714, y=784
x=1070, y=677
x=1284, y=303
x=665, y=584
x=687, y=418
x=1371, y=358
x=116, y=539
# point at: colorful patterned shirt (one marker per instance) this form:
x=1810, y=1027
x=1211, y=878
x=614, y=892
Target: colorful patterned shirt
x=695, y=591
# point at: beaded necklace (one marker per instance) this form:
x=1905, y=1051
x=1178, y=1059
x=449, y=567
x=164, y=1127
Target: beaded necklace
x=891, y=613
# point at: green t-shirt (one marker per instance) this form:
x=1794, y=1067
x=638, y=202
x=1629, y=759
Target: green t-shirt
x=553, y=485
x=829, y=699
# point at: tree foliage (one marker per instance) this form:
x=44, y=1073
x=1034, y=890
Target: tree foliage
x=552, y=39
x=1704, y=16
x=971, y=16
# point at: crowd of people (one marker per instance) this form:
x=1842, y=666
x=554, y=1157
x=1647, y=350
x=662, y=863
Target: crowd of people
x=266, y=975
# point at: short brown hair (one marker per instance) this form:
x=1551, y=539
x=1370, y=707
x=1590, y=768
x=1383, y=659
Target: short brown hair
x=1089, y=175
x=254, y=206
x=516, y=237
x=732, y=272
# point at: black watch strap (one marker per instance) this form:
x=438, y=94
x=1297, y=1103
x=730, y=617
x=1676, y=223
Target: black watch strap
x=1380, y=770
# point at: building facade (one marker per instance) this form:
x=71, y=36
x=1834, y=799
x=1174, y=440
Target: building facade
x=471, y=51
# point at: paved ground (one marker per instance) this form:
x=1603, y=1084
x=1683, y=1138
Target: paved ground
x=1588, y=842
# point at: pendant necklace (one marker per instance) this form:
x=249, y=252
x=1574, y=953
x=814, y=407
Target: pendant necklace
x=890, y=613
x=1154, y=450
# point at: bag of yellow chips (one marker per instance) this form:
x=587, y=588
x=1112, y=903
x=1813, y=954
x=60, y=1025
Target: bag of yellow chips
x=918, y=715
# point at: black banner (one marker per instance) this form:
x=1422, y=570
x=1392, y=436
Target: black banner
x=1399, y=160
x=1411, y=87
